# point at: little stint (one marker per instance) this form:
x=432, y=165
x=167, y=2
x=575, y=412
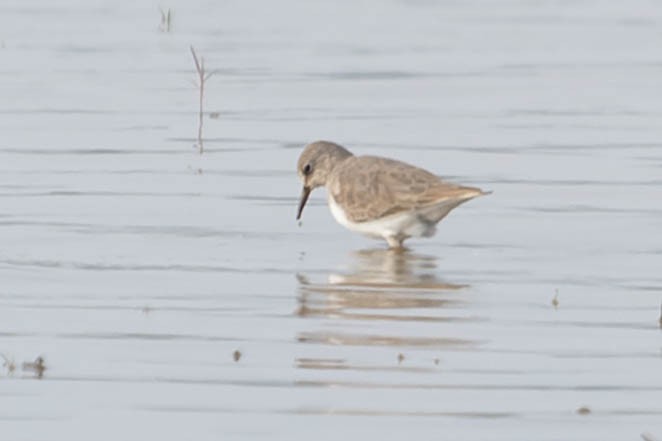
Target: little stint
x=378, y=197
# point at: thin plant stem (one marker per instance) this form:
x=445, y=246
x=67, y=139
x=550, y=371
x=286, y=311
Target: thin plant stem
x=165, y=20
x=202, y=79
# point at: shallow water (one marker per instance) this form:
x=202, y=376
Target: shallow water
x=137, y=268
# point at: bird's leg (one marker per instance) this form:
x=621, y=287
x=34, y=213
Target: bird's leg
x=395, y=243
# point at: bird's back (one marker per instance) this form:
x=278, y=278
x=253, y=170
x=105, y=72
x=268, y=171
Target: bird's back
x=371, y=187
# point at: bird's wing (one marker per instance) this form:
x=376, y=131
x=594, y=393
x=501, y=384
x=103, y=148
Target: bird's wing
x=368, y=188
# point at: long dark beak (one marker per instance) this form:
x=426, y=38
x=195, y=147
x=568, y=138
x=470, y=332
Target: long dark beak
x=304, y=198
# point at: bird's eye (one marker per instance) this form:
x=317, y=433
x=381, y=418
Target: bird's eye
x=307, y=169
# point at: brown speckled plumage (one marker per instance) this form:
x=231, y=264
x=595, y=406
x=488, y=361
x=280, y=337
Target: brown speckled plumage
x=370, y=187
x=364, y=190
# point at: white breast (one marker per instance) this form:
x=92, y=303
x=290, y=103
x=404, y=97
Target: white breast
x=339, y=214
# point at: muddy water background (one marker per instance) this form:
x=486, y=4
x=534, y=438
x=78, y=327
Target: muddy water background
x=136, y=277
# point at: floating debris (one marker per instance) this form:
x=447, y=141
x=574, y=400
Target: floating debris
x=555, y=300
x=166, y=20
x=37, y=366
x=584, y=410
x=236, y=355
x=9, y=364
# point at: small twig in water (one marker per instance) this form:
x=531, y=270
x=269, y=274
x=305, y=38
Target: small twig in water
x=202, y=79
x=37, y=366
x=165, y=20
x=9, y=364
x=555, y=300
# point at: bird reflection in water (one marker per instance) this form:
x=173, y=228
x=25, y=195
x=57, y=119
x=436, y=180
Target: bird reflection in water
x=383, y=285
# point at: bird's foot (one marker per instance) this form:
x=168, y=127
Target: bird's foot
x=395, y=244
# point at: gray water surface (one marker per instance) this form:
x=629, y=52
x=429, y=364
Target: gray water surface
x=140, y=270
